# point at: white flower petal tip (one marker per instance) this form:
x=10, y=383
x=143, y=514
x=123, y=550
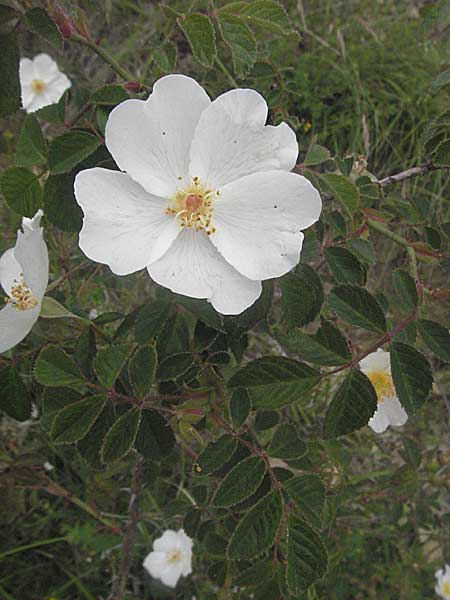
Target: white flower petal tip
x=171, y=557
x=41, y=81
x=442, y=588
x=206, y=201
x=24, y=277
x=389, y=411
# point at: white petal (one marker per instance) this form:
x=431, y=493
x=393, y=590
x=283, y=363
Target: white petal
x=31, y=253
x=167, y=542
x=193, y=267
x=10, y=270
x=258, y=221
x=34, y=222
x=231, y=140
x=15, y=325
x=155, y=563
x=150, y=140
x=377, y=361
x=45, y=67
x=56, y=88
x=124, y=226
x=394, y=412
x=379, y=422
x=171, y=574
x=26, y=71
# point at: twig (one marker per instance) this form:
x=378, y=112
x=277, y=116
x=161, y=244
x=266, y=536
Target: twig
x=120, y=582
x=226, y=72
x=413, y=172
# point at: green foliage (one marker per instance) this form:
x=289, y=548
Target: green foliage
x=31, y=148
x=215, y=455
x=9, y=74
x=21, y=190
x=55, y=368
x=256, y=532
x=120, y=438
x=308, y=492
x=200, y=34
x=60, y=206
x=69, y=149
x=286, y=444
x=352, y=406
x=109, y=362
x=436, y=337
x=240, y=483
x=302, y=296
x=412, y=376
x=355, y=305
x=14, y=400
x=74, y=421
x=39, y=22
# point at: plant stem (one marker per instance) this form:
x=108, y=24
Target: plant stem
x=107, y=58
x=32, y=545
x=226, y=72
x=413, y=172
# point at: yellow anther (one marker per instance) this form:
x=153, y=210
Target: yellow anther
x=22, y=298
x=38, y=86
x=383, y=384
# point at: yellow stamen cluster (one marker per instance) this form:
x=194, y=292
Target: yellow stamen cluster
x=446, y=588
x=173, y=556
x=38, y=86
x=21, y=297
x=383, y=384
x=193, y=207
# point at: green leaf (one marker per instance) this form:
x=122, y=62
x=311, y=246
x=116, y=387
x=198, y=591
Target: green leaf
x=344, y=190
x=316, y=155
x=109, y=362
x=22, y=191
x=363, y=249
x=405, y=286
x=307, y=559
x=109, y=95
x=241, y=40
x=14, y=398
x=141, y=370
x=240, y=407
x=120, y=438
x=240, y=483
x=150, y=321
x=436, y=337
x=412, y=376
x=199, y=32
x=344, y=265
x=175, y=365
x=202, y=309
x=85, y=350
x=69, y=149
x=326, y=347
x=274, y=381
x=308, y=492
x=353, y=405
x=256, y=532
x=286, y=444
x=90, y=445
x=74, y=421
x=302, y=296
x=269, y=15
x=31, y=148
x=38, y=21
x=215, y=455
x=166, y=56
x=441, y=80
x=8, y=13
x=60, y=206
x=442, y=155
x=355, y=305
x=155, y=438
x=52, y=309
x=56, y=368
x=9, y=74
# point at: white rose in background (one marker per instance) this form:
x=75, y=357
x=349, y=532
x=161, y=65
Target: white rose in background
x=442, y=588
x=171, y=557
x=206, y=203
x=41, y=81
x=389, y=411
x=24, y=277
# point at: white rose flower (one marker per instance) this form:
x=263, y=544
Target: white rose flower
x=171, y=557
x=389, y=410
x=42, y=82
x=442, y=588
x=24, y=277
x=206, y=203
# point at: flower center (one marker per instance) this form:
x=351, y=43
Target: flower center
x=38, y=86
x=193, y=206
x=173, y=556
x=21, y=297
x=382, y=382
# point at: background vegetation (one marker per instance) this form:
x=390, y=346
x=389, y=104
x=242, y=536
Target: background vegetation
x=362, y=79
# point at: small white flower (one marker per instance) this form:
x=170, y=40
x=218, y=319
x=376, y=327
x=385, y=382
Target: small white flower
x=42, y=82
x=24, y=277
x=389, y=410
x=206, y=203
x=48, y=466
x=171, y=557
x=442, y=588
x=93, y=314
